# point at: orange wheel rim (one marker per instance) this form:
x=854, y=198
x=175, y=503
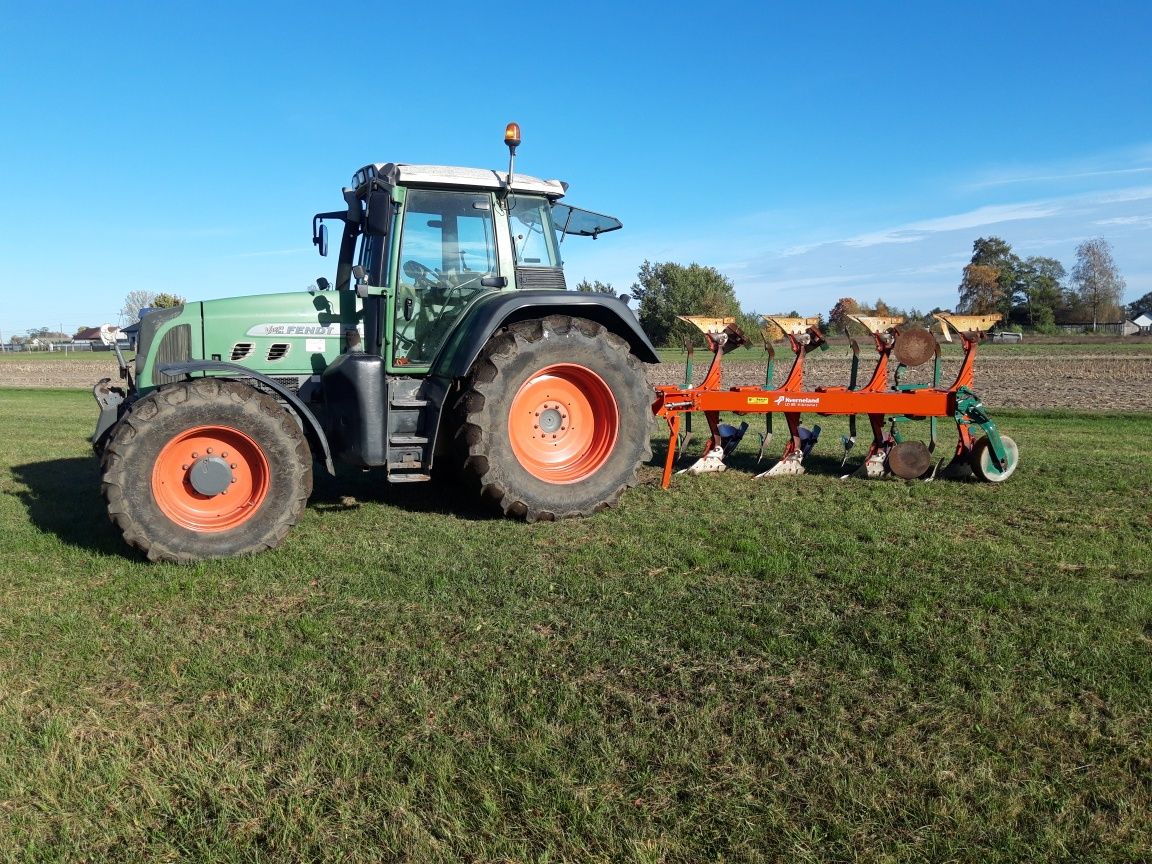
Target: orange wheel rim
x=563, y=423
x=238, y=479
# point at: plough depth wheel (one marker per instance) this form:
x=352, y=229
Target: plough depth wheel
x=984, y=461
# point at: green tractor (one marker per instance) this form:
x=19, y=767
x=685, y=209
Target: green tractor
x=448, y=339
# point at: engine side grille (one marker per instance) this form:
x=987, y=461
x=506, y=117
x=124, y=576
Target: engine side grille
x=241, y=350
x=288, y=382
x=278, y=351
x=175, y=347
x=540, y=277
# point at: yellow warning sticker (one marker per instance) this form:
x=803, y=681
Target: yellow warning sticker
x=759, y=400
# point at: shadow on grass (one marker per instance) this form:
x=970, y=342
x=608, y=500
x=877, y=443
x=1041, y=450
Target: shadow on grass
x=63, y=498
x=442, y=495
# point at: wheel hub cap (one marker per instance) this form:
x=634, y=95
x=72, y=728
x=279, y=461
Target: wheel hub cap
x=210, y=476
x=550, y=420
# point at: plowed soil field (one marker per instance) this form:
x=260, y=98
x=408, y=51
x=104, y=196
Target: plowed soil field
x=1095, y=381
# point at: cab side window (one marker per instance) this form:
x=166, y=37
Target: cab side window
x=447, y=247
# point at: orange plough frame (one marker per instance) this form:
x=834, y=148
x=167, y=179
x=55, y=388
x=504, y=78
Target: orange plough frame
x=875, y=398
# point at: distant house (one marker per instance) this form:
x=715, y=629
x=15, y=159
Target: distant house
x=1144, y=323
x=88, y=334
x=131, y=332
x=91, y=336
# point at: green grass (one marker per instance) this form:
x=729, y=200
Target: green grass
x=736, y=670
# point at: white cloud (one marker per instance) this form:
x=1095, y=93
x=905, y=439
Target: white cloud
x=993, y=215
x=1121, y=196
x=1136, y=221
x=1048, y=178
x=1125, y=162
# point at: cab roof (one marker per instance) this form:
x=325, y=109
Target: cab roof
x=400, y=174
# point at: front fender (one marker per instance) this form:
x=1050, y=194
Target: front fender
x=312, y=428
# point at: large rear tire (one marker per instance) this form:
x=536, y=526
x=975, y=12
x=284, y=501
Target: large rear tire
x=206, y=469
x=555, y=419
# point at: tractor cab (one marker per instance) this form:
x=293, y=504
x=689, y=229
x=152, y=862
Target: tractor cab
x=422, y=243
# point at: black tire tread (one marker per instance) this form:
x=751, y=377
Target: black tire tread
x=494, y=478
x=124, y=476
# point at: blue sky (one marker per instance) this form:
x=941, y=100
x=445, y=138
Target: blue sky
x=808, y=151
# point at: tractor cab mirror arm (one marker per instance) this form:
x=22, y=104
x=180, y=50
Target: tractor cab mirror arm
x=320, y=230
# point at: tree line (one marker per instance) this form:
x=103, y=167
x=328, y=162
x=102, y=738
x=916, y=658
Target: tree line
x=1034, y=292
x=1038, y=293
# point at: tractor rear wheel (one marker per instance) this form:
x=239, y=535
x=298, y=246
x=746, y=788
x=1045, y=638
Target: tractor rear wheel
x=206, y=469
x=555, y=419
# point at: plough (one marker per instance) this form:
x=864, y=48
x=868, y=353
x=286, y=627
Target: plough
x=888, y=404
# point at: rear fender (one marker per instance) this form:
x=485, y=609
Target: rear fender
x=491, y=313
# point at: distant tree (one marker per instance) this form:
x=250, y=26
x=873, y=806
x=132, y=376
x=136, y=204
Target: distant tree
x=665, y=290
x=167, y=301
x=838, y=314
x=1042, y=288
x=976, y=291
x=596, y=287
x=47, y=334
x=915, y=316
x=881, y=308
x=133, y=303
x=980, y=291
x=1096, y=279
x=1140, y=306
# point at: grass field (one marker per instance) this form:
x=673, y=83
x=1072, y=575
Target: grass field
x=801, y=670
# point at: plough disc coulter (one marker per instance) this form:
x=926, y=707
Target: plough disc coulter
x=884, y=399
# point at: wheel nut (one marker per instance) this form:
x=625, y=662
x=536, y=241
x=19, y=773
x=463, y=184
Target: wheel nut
x=209, y=450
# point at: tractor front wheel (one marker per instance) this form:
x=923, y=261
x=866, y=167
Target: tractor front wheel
x=555, y=419
x=206, y=469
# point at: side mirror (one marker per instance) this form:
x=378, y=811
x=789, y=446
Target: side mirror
x=320, y=237
x=408, y=306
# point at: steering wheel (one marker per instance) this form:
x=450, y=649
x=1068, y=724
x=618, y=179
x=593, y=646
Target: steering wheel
x=425, y=277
